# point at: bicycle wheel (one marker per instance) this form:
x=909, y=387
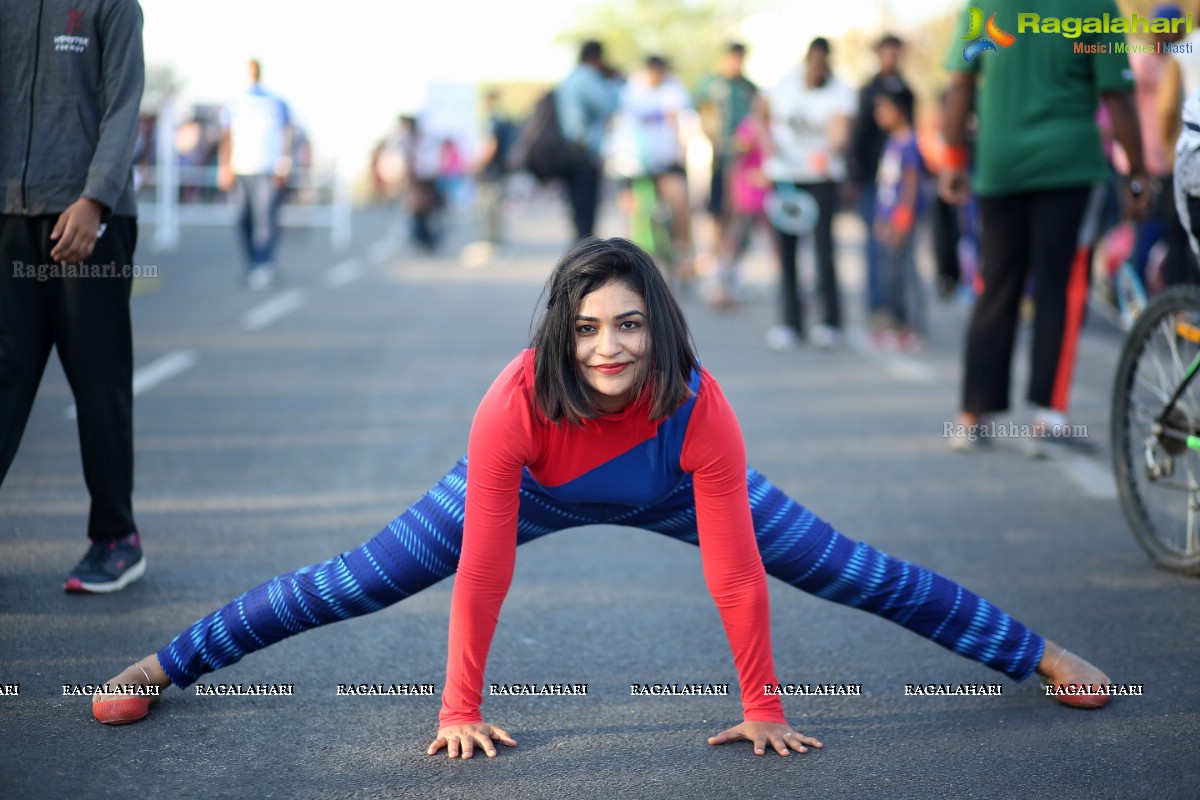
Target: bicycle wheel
x=641, y=220
x=664, y=248
x=1157, y=471
x=650, y=227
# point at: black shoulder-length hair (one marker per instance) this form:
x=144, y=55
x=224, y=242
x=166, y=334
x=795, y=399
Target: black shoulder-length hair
x=558, y=388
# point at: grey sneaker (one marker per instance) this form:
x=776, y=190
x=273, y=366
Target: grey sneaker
x=1051, y=433
x=108, y=566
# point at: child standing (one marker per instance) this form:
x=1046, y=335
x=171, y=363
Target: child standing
x=898, y=193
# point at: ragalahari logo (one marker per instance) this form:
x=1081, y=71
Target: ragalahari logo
x=978, y=43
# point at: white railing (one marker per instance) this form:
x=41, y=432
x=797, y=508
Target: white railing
x=316, y=198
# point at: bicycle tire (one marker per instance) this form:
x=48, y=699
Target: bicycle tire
x=1152, y=365
x=641, y=221
x=650, y=227
x=664, y=248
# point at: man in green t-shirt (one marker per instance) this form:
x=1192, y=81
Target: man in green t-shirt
x=724, y=99
x=1037, y=165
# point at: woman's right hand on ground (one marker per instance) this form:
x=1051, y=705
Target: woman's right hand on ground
x=461, y=740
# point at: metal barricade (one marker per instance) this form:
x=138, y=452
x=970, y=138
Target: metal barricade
x=316, y=197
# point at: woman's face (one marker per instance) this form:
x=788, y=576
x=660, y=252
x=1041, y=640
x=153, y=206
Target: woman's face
x=612, y=344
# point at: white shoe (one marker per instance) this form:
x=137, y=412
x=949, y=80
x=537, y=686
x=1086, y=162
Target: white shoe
x=824, y=337
x=1048, y=420
x=260, y=278
x=1051, y=432
x=968, y=437
x=781, y=337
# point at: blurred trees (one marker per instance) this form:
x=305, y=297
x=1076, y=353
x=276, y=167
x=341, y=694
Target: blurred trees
x=162, y=83
x=692, y=34
x=927, y=45
x=688, y=33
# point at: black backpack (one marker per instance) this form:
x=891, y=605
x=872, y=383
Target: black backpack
x=541, y=149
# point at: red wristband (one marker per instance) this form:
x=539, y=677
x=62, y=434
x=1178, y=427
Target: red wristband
x=954, y=156
x=902, y=219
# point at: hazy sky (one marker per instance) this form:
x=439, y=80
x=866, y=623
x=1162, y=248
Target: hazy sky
x=349, y=69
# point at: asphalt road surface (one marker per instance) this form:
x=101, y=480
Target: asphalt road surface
x=276, y=429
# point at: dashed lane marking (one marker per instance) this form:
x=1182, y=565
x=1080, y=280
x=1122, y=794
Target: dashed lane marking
x=1088, y=474
x=154, y=373
x=277, y=307
x=346, y=272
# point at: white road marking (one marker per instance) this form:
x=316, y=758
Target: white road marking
x=911, y=370
x=279, y=306
x=898, y=366
x=344, y=273
x=381, y=251
x=1086, y=473
x=154, y=373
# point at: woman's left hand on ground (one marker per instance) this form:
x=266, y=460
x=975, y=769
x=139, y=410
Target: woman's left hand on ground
x=776, y=734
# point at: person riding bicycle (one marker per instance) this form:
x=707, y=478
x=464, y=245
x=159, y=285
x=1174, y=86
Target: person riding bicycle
x=646, y=144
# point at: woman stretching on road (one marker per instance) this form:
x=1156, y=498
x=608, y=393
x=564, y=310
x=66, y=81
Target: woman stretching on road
x=607, y=419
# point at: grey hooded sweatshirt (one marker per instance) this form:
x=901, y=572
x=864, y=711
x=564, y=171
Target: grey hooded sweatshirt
x=71, y=76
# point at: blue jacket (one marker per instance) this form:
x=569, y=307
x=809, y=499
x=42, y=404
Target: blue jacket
x=585, y=101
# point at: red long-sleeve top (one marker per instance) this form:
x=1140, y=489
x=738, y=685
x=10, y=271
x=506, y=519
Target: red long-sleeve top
x=511, y=440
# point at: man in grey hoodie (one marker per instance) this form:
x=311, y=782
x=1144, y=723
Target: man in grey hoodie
x=70, y=91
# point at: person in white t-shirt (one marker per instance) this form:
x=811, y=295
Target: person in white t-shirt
x=646, y=143
x=255, y=162
x=811, y=113
x=1187, y=174
x=1187, y=57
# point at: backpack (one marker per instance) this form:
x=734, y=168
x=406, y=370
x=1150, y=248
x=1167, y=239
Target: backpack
x=541, y=149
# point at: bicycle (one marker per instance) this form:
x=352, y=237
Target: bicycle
x=1118, y=292
x=1155, y=429
x=639, y=157
x=650, y=226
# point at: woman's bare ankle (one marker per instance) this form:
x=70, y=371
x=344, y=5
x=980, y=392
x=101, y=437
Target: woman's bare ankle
x=146, y=672
x=1060, y=665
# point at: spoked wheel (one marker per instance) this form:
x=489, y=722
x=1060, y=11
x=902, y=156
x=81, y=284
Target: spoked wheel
x=1157, y=472
x=650, y=226
x=664, y=249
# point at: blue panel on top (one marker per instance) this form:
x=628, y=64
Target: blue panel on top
x=638, y=477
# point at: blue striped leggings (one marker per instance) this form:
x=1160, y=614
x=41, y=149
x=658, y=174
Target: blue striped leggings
x=421, y=546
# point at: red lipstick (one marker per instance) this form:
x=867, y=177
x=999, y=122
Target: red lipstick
x=610, y=369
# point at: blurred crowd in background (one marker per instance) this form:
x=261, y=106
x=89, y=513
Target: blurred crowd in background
x=722, y=164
